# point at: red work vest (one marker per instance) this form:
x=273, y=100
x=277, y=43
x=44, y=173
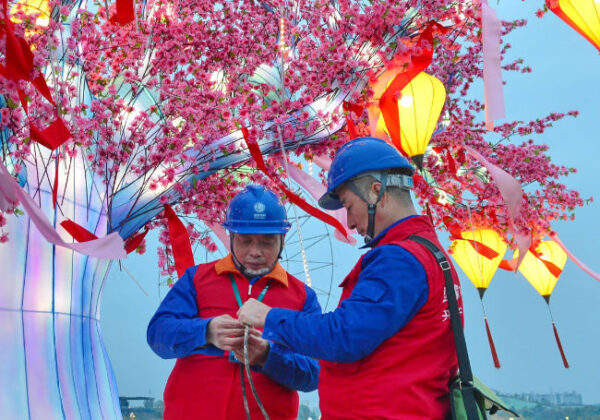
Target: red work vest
x=209, y=387
x=407, y=376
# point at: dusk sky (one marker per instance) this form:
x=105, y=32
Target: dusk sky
x=565, y=69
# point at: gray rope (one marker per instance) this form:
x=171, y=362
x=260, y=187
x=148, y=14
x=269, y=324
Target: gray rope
x=250, y=381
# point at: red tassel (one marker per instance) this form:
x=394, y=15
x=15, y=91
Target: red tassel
x=560, y=348
x=180, y=242
x=492, y=346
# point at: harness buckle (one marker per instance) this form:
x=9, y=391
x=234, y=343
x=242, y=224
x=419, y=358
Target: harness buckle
x=445, y=265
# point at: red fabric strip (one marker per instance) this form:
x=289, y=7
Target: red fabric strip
x=55, y=186
x=180, y=242
x=134, y=241
x=555, y=7
x=78, y=232
x=549, y=265
x=508, y=265
x=125, y=12
x=358, y=110
x=52, y=136
x=257, y=155
x=492, y=345
x=482, y=249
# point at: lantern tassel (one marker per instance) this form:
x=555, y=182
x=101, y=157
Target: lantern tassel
x=492, y=346
x=560, y=347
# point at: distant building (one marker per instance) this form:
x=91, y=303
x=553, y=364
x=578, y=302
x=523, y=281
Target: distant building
x=553, y=399
x=141, y=408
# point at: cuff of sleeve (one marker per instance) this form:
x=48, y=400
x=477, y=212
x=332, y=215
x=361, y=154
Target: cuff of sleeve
x=199, y=327
x=274, y=360
x=275, y=319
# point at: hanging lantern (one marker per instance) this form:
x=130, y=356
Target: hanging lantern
x=581, y=15
x=30, y=7
x=478, y=253
x=541, y=268
x=419, y=108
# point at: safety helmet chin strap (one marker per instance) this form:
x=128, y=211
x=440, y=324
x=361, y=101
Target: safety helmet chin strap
x=243, y=269
x=371, y=207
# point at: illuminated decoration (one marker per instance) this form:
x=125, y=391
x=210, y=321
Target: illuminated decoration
x=542, y=268
x=30, y=7
x=479, y=253
x=419, y=108
x=581, y=15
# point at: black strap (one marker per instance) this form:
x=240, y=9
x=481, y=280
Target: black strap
x=464, y=366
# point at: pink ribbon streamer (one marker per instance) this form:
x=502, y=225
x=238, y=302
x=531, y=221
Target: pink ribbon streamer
x=573, y=258
x=492, y=72
x=316, y=190
x=322, y=162
x=511, y=192
x=110, y=247
x=219, y=231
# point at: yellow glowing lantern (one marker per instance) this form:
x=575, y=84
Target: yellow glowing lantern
x=33, y=7
x=581, y=15
x=478, y=267
x=419, y=109
x=542, y=269
x=479, y=254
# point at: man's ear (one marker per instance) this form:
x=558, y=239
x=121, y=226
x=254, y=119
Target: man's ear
x=374, y=191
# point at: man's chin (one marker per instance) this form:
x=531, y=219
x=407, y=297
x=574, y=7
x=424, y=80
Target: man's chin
x=257, y=272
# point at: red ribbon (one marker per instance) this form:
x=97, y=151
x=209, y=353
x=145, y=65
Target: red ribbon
x=388, y=103
x=481, y=248
x=553, y=268
x=52, y=136
x=78, y=232
x=180, y=242
x=134, y=241
x=257, y=155
x=125, y=12
x=358, y=110
x=555, y=7
x=55, y=187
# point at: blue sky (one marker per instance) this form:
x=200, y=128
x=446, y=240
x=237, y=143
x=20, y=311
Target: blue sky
x=564, y=77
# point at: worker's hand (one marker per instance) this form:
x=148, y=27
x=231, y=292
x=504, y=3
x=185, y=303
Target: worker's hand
x=258, y=349
x=225, y=333
x=253, y=313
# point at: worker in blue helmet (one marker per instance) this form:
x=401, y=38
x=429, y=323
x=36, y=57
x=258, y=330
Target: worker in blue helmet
x=387, y=351
x=197, y=323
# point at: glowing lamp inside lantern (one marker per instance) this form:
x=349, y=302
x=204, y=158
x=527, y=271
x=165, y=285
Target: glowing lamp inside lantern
x=419, y=109
x=406, y=101
x=32, y=7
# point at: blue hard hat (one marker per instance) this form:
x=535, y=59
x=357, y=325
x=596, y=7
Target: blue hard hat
x=256, y=210
x=364, y=154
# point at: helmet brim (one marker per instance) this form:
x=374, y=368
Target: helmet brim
x=330, y=201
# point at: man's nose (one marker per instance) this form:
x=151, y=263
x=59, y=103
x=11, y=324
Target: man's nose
x=350, y=221
x=255, y=250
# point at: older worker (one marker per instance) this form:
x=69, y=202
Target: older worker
x=196, y=323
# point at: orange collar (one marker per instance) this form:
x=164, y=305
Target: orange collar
x=226, y=265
